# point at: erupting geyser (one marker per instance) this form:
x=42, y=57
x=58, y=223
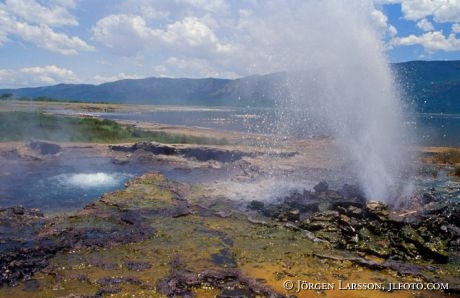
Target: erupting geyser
x=338, y=78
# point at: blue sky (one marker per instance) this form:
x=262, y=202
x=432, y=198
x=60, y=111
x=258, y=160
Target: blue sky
x=46, y=42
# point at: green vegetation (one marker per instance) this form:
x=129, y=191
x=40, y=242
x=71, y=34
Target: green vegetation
x=10, y=96
x=18, y=126
x=5, y=96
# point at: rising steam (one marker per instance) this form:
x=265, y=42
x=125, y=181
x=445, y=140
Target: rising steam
x=339, y=79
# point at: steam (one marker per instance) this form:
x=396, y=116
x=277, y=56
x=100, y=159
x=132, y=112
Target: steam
x=90, y=180
x=338, y=79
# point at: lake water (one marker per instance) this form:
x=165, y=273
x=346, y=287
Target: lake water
x=438, y=129
x=431, y=129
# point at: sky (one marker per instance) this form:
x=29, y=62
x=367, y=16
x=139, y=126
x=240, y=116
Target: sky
x=47, y=42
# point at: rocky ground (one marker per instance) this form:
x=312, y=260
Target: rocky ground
x=162, y=238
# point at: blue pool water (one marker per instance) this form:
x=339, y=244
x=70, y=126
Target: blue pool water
x=70, y=184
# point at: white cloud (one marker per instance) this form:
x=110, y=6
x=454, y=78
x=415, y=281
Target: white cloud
x=98, y=79
x=431, y=41
x=36, y=13
x=425, y=25
x=206, y=38
x=441, y=10
x=130, y=35
x=182, y=67
x=32, y=22
x=426, y=13
x=45, y=37
x=4, y=26
x=456, y=28
x=36, y=76
x=123, y=34
x=215, y=6
x=192, y=32
x=381, y=22
x=65, y=3
x=174, y=10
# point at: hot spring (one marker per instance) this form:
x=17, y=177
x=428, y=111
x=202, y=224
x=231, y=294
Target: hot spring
x=62, y=184
x=67, y=184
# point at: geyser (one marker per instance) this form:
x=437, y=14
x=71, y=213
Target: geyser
x=338, y=78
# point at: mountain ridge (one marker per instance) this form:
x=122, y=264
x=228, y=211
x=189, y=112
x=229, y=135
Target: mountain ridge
x=432, y=86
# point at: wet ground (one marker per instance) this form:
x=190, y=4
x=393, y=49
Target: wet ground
x=234, y=228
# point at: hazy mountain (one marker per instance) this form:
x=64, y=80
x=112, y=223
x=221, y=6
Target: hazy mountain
x=210, y=91
x=433, y=86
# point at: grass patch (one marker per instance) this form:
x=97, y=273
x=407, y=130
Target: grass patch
x=20, y=126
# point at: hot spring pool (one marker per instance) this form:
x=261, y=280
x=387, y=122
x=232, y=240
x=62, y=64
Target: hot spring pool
x=71, y=183
x=64, y=185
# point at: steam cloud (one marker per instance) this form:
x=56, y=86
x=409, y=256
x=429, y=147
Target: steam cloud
x=338, y=78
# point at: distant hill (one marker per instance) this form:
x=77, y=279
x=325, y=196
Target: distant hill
x=209, y=91
x=433, y=86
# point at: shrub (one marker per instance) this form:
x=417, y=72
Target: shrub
x=16, y=126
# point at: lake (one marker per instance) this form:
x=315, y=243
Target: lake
x=430, y=129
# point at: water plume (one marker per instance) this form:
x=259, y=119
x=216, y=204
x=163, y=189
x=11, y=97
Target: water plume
x=339, y=80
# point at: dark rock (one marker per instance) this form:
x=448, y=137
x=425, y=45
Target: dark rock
x=22, y=251
x=122, y=148
x=118, y=161
x=206, y=154
x=45, y=148
x=131, y=217
x=156, y=148
x=281, y=213
x=354, y=211
x=273, y=210
x=348, y=222
x=428, y=197
x=107, y=291
x=378, y=210
x=18, y=210
x=352, y=192
x=434, y=208
x=323, y=186
x=198, y=153
x=152, y=147
x=256, y=205
x=181, y=282
x=304, y=202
